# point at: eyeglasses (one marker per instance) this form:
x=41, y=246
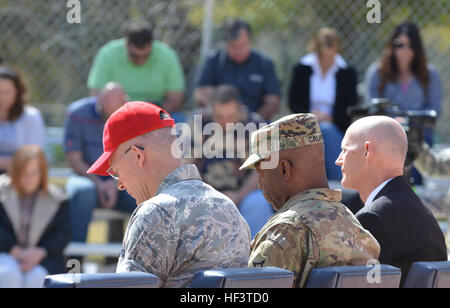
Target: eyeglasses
x=114, y=173
x=400, y=44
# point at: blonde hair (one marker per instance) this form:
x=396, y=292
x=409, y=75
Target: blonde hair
x=325, y=37
x=19, y=162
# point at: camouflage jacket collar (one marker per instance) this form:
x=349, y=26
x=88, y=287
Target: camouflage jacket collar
x=183, y=173
x=331, y=195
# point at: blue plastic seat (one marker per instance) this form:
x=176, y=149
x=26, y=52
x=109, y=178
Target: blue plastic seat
x=354, y=277
x=261, y=277
x=110, y=280
x=428, y=275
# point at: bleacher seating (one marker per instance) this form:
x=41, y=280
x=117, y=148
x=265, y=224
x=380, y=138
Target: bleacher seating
x=421, y=275
x=93, y=249
x=261, y=277
x=353, y=277
x=428, y=275
x=113, y=280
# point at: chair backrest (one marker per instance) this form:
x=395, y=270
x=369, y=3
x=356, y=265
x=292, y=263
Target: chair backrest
x=110, y=280
x=377, y=276
x=428, y=275
x=261, y=277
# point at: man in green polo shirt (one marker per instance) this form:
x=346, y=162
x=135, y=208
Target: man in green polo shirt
x=148, y=69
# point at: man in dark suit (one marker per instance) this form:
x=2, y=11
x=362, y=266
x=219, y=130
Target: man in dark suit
x=372, y=158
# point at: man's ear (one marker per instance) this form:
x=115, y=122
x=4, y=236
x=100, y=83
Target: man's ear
x=368, y=150
x=285, y=169
x=140, y=154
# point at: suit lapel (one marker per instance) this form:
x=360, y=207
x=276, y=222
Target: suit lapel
x=393, y=184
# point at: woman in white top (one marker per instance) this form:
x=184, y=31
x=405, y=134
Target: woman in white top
x=19, y=124
x=323, y=84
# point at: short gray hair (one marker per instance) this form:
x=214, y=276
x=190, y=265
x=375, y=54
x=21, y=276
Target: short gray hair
x=159, y=141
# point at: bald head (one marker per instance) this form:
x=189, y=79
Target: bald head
x=110, y=98
x=385, y=133
x=373, y=151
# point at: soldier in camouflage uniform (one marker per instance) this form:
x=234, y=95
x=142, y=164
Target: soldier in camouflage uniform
x=181, y=225
x=311, y=228
x=433, y=163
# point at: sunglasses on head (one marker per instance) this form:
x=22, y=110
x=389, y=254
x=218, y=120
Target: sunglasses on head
x=7, y=72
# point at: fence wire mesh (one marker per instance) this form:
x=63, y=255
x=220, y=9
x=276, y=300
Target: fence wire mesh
x=55, y=56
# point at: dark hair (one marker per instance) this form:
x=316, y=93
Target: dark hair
x=8, y=72
x=388, y=65
x=225, y=93
x=139, y=34
x=233, y=27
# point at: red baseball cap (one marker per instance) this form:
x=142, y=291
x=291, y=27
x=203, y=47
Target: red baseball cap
x=129, y=121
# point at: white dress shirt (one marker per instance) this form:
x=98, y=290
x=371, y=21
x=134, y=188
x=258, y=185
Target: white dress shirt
x=375, y=192
x=322, y=94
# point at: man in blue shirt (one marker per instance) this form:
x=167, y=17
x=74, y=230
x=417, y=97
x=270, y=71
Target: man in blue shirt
x=83, y=145
x=247, y=69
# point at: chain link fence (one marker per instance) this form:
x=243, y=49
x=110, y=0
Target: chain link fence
x=55, y=56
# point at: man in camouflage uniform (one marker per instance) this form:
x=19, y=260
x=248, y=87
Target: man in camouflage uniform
x=311, y=228
x=181, y=225
x=433, y=163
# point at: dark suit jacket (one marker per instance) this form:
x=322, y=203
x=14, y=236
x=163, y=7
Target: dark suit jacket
x=405, y=229
x=345, y=93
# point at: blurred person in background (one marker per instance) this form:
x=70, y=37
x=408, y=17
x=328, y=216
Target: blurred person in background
x=34, y=222
x=84, y=126
x=238, y=64
x=223, y=173
x=20, y=124
x=148, y=69
x=325, y=85
x=404, y=77
x=433, y=163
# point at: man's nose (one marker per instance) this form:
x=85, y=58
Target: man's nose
x=338, y=160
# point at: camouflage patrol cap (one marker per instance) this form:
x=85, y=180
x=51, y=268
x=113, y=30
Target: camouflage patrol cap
x=289, y=132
